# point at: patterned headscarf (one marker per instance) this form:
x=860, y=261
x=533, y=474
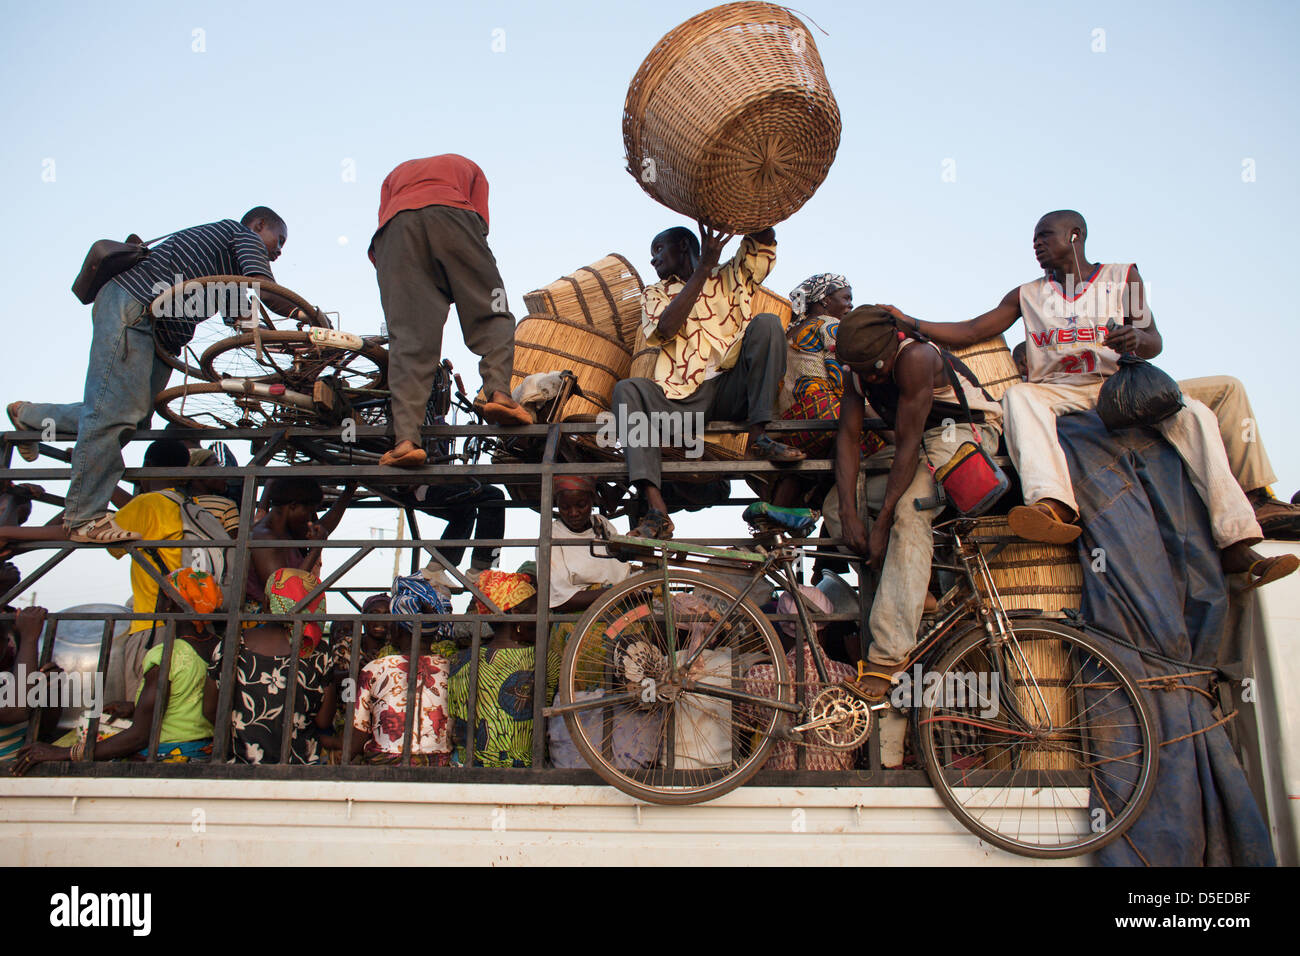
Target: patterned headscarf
x=814, y=289
x=415, y=595
x=200, y=591
x=506, y=590
x=284, y=590
x=818, y=600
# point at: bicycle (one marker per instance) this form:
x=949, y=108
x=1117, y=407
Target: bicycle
x=1058, y=761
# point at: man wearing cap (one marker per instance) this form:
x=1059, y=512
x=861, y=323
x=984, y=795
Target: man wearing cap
x=908, y=384
x=717, y=361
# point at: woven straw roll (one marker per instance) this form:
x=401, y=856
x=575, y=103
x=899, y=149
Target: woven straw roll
x=605, y=296
x=1046, y=577
x=730, y=119
x=765, y=300
x=992, y=364
x=544, y=343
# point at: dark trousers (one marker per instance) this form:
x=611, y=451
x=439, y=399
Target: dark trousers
x=745, y=392
x=425, y=260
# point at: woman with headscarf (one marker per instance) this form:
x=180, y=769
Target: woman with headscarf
x=814, y=378
x=503, y=732
x=262, y=674
x=379, y=719
x=191, y=705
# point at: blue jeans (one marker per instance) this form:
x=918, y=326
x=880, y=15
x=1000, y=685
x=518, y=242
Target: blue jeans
x=122, y=378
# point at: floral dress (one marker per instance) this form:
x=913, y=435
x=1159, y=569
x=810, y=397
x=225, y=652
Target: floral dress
x=814, y=382
x=257, y=710
x=381, y=709
x=504, y=710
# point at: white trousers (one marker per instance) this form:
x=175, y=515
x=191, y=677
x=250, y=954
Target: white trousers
x=1030, y=410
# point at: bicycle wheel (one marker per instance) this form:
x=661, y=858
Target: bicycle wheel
x=215, y=405
x=297, y=358
x=182, y=332
x=668, y=734
x=1045, y=747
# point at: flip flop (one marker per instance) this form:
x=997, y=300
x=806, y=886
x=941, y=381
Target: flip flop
x=1267, y=570
x=27, y=450
x=494, y=413
x=413, y=457
x=1039, y=522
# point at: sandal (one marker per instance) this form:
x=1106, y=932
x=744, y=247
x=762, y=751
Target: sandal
x=656, y=525
x=1267, y=570
x=28, y=450
x=766, y=449
x=103, y=531
x=405, y=454
x=867, y=693
x=494, y=413
x=1038, y=522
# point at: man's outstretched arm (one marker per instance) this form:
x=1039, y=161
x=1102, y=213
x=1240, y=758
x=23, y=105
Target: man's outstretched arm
x=956, y=335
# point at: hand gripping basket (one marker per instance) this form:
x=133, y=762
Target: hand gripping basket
x=730, y=119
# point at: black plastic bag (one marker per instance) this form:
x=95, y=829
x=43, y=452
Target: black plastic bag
x=1137, y=394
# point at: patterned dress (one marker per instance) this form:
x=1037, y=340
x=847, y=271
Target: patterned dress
x=504, y=711
x=257, y=710
x=813, y=385
x=381, y=709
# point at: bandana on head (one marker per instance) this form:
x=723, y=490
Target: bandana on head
x=575, y=483
x=200, y=591
x=284, y=590
x=814, y=289
x=415, y=595
x=505, y=590
x=818, y=600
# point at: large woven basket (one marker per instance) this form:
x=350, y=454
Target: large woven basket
x=992, y=364
x=605, y=296
x=730, y=119
x=545, y=343
x=1046, y=577
x=645, y=355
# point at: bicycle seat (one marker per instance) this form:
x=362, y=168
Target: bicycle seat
x=797, y=522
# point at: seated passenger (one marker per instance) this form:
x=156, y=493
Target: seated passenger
x=262, y=673
x=503, y=732
x=760, y=681
x=18, y=658
x=295, y=503
x=191, y=705
x=379, y=720
x=1079, y=318
x=718, y=362
x=910, y=384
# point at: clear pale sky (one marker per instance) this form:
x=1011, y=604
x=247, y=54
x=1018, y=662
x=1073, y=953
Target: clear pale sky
x=1170, y=126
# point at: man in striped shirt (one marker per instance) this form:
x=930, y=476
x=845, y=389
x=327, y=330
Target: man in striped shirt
x=124, y=374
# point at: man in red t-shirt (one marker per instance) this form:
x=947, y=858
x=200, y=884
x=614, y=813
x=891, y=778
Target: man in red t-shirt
x=429, y=251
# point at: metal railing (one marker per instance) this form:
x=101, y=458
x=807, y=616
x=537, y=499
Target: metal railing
x=372, y=479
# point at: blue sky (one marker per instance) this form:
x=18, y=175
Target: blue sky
x=240, y=104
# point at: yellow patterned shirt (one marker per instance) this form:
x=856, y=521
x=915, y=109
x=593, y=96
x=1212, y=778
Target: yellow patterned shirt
x=709, y=341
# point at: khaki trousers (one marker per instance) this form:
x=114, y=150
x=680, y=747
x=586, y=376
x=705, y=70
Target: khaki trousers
x=1030, y=410
x=1226, y=397
x=905, y=575
x=425, y=260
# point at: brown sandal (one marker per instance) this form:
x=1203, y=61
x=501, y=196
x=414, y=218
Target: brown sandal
x=28, y=450
x=1040, y=523
x=103, y=531
x=1267, y=570
x=656, y=525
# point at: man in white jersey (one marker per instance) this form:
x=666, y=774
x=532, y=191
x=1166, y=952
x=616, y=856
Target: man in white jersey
x=1078, y=318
